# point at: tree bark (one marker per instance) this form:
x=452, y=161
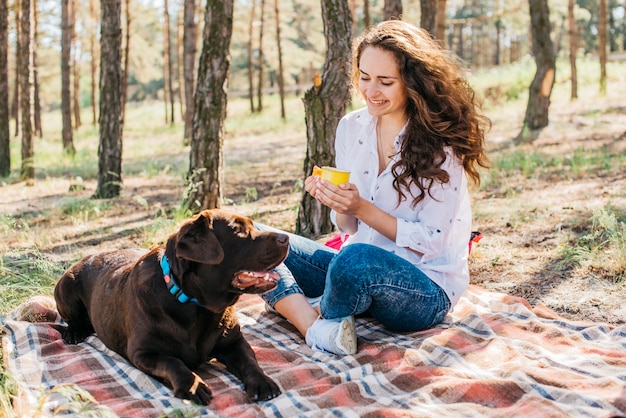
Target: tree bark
x=15, y=102
x=189, y=63
x=36, y=100
x=440, y=21
x=5, y=139
x=281, y=79
x=325, y=104
x=205, y=177
x=66, y=98
x=392, y=9
x=541, y=87
x=28, y=153
x=110, y=146
x=573, y=48
x=428, y=16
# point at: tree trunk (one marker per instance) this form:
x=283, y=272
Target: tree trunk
x=15, y=103
x=251, y=56
x=28, y=154
x=541, y=87
x=573, y=48
x=66, y=98
x=324, y=105
x=189, y=63
x=261, y=58
x=36, y=100
x=602, y=44
x=392, y=9
x=110, y=147
x=281, y=79
x=5, y=139
x=367, y=18
x=205, y=177
x=126, y=60
x=440, y=21
x=428, y=16
x=94, y=58
x=167, y=50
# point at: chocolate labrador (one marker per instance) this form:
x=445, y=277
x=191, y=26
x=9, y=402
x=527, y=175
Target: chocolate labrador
x=171, y=309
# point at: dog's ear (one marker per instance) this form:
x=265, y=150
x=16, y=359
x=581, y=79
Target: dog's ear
x=197, y=242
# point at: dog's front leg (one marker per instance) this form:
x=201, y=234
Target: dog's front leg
x=239, y=359
x=185, y=383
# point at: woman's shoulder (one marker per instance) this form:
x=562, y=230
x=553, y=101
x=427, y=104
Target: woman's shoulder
x=360, y=116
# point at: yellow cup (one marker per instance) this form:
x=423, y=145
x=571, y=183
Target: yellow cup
x=333, y=175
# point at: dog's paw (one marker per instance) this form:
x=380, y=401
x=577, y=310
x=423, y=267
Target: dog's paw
x=199, y=391
x=73, y=335
x=262, y=388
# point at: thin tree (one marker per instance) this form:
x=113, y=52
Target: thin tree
x=5, y=150
x=110, y=146
x=66, y=50
x=367, y=18
x=540, y=90
x=440, y=20
x=36, y=100
x=324, y=105
x=15, y=102
x=573, y=47
x=260, y=57
x=392, y=9
x=28, y=153
x=251, y=56
x=125, y=59
x=93, y=14
x=281, y=78
x=189, y=62
x=167, y=60
x=428, y=16
x=602, y=44
x=204, y=187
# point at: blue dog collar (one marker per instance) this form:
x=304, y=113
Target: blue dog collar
x=171, y=284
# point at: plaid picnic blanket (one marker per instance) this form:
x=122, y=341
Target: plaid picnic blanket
x=493, y=356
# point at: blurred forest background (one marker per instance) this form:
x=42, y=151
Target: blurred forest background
x=105, y=56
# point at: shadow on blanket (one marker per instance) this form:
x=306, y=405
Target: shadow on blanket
x=494, y=355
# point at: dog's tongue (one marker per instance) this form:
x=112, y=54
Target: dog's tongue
x=255, y=281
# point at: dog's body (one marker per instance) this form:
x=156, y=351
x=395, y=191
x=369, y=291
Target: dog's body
x=125, y=298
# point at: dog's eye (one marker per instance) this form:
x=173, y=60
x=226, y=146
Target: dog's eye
x=239, y=230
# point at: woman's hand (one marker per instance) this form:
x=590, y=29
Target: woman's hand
x=343, y=199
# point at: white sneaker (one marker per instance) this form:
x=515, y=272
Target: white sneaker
x=335, y=336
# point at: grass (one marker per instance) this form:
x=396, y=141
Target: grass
x=25, y=272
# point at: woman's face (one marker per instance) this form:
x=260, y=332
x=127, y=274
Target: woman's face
x=380, y=83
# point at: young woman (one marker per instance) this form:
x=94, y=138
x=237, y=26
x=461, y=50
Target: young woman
x=406, y=208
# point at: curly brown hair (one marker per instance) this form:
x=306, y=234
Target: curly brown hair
x=441, y=106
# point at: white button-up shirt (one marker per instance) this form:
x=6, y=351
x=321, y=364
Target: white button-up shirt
x=439, y=227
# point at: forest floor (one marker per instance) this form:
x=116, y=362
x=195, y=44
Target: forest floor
x=526, y=220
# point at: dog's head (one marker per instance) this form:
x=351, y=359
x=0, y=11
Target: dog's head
x=217, y=255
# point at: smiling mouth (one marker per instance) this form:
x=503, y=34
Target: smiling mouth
x=255, y=281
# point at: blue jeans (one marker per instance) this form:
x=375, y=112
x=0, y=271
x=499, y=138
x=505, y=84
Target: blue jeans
x=361, y=278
